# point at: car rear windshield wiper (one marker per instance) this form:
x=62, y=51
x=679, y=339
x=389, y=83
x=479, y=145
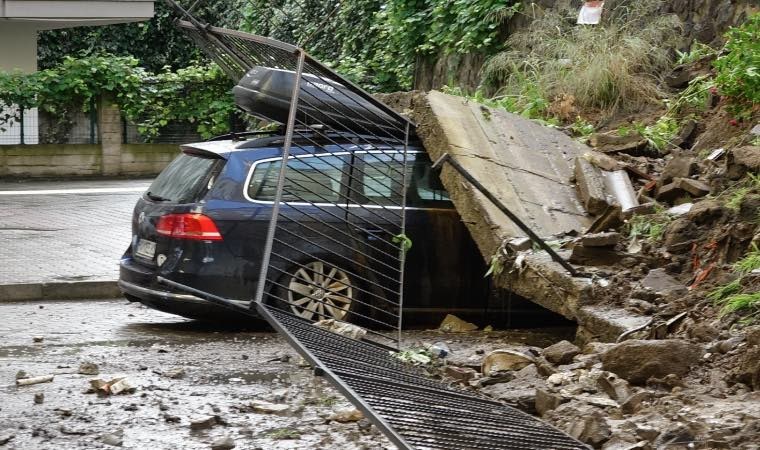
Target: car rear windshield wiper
x=156, y=197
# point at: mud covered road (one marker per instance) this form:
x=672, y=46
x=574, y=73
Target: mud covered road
x=184, y=372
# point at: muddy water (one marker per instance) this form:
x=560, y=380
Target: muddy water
x=225, y=370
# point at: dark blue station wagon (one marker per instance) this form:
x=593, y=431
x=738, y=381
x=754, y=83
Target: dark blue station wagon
x=203, y=223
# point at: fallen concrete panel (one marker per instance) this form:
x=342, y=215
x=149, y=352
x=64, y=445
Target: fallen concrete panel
x=525, y=165
x=529, y=168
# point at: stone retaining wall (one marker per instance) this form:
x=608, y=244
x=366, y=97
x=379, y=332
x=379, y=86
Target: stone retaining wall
x=83, y=160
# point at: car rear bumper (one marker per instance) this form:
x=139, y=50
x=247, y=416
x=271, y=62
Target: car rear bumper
x=138, y=283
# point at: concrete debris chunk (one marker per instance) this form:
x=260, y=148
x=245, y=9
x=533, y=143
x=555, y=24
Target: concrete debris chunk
x=505, y=360
x=589, y=183
x=618, y=185
x=681, y=188
x=39, y=398
x=113, y=387
x=638, y=360
x=602, y=161
x=661, y=283
x=613, y=142
x=547, y=401
x=520, y=244
x=175, y=374
x=605, y=239
x=454, y=324
x=203, y=423
x=34, y=380
x=615, y=387
x=347, y=415
x=114, y=439
x=88, y=368
x=270, y=408
x=461, y=374
x=224, y=443
x=21, y=374
x=342, y=328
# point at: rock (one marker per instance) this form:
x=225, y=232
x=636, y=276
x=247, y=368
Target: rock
x=461, y=374
x=505, y=360
x=679, y=210
x=679, y=235
x=591, y=429
x=595, y=256
x=616, y=443
x=752, y=335
x=169, y=418
x=747, y=156
x=686, y=135
x=676, y=434
x=6, y=436
x=748, y=369
x=706, y=211
x=678, y=167
x=661, y=283
x=88, y=368
x=562, y=352
x=269, y=408
x=21, y=374
x=364, y=425
x=225, y=443
x=175, y=374
x=703, y=332
x=454, y=324
x=616, y=388
x=637, y=360
x=39, y=398
x=679, y=78
x=612, y=142
x=440, y=350
x=681, y=188
x=203, y=423
x=115, y=439
x=347, y=415
x=605, y=239
x=38, y=339
x=547, y=401
x=120, y=386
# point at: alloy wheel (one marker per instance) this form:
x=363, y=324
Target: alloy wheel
x=319, y=291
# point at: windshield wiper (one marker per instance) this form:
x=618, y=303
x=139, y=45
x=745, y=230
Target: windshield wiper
x=157, y=198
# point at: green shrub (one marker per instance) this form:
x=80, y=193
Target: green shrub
x=739, y=67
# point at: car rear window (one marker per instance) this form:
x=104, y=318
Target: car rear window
x=184, y=178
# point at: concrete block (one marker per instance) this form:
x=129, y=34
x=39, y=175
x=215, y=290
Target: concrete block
x=590, y=186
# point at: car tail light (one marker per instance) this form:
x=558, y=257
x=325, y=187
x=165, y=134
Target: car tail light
x=188, y=226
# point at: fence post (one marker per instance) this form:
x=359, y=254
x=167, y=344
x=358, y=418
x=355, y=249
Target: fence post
x=110, y=129
x=93, y=120
x=21, y=123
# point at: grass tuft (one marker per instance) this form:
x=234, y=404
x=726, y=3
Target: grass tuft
x=614, y=65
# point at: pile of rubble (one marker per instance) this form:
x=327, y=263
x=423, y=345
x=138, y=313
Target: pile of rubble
x=657, y=365
x=637, y=394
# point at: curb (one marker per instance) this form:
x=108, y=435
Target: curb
x=72, y=290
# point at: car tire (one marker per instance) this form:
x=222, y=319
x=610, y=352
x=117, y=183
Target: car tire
x=318, y=290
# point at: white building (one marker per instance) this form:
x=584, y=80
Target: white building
x=21, y=20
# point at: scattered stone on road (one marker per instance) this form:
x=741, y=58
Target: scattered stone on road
x=34, y=380
x=454, y=324
x=39, y=398
x=204, y=423
x=225, y=443
x=505, y=360
x=347, y=415
x=269, y=408
x=88, y=368
x=115, y=439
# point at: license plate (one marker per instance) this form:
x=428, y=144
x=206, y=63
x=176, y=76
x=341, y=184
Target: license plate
x=145, y=249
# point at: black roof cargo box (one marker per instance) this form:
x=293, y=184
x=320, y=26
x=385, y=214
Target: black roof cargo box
x=265, y=92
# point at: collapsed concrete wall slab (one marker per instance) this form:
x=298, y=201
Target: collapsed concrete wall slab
x=530, y=168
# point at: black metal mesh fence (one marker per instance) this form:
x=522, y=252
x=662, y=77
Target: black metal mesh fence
x=36, y=126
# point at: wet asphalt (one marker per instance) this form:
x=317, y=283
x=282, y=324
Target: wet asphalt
x=183, y=371
x=225, y=370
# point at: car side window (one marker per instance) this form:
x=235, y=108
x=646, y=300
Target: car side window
x=316, y=179
x=381, y=186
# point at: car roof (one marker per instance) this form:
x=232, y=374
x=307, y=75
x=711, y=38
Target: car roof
x=327, y=144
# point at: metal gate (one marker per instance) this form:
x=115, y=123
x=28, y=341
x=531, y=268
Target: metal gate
x=334, y=254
